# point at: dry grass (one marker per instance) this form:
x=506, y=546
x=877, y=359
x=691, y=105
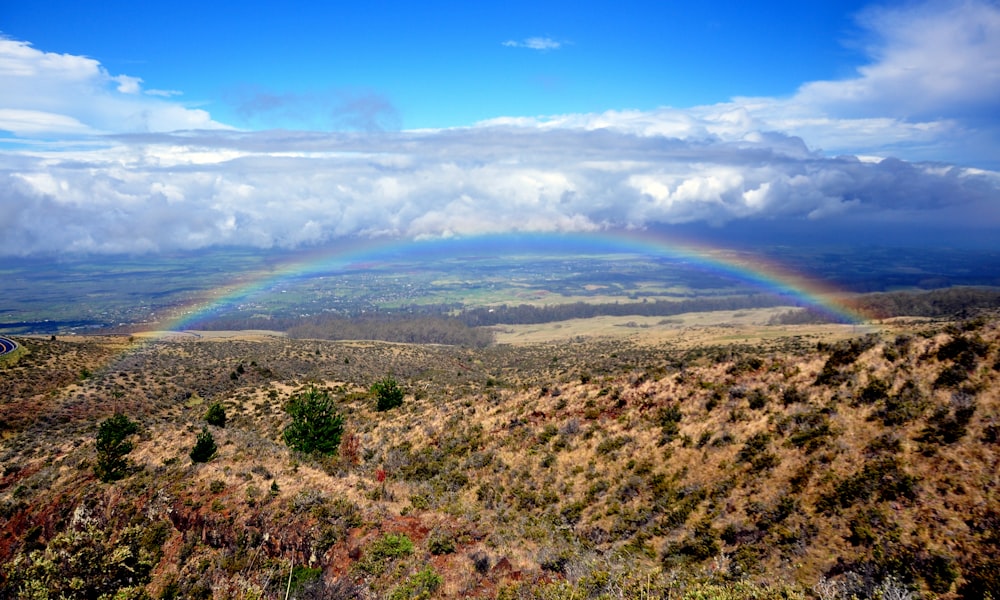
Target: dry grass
x=563, y=462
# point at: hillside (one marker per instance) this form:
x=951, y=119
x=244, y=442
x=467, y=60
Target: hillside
x=816, y=463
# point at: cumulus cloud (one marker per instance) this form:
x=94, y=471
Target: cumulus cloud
x=833, y=156
x=285, y=189
x=50, y=95
x=534, y=43
x=931, y=88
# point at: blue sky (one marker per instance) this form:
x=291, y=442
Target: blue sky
x=132, y=127
x=444, y=64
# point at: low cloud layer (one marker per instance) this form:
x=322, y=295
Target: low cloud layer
x=822, y=159
x=283, y=189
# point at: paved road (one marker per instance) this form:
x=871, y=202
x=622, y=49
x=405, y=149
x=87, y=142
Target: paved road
x=7, y=345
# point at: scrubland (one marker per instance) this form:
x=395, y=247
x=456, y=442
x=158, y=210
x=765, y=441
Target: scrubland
x=780, y=462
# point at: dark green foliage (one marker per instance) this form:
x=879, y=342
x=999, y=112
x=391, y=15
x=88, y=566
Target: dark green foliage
x=875, y=391
x=388, y=394
x=938, y=571
x=421, y=585
x=216, y=415
x=746, y=364
x=843, y=354
x=961, y=348
x=809, y=429
x=384, y=550
x=92, y=562
x=702, y=544
x=869, y=525
x=669, y=418
x=611, y=444
x=948, y=424
x=204, y=447
x=951, y=376
x=887, y=443
x=754, y=452
x=302, y=576
x=793, y=395
x=112, y=447
x=882, y=478
x=316, y=425
x=757, y=399
x=902, y=407
x=440, y=542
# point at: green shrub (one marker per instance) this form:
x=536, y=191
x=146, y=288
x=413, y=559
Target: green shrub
x=112, y=447
x=316, y=425
x=388, y=394
x=421, y=584
x=948, y=424
x=793, y=395
x=757, y=399
x=951, y=376
x=216, y=415
x=440, y=542
x=702, y=544
x=204, y=447
x=384, y=550
x=809, y=429
x=883, y=478
x=903, y=406
x=754, y=452
x=875, y=391
x=611, y=444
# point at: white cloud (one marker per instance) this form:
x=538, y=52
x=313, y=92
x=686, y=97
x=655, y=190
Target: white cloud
x=266, y=189
x=748, y=162
x=128, y=85
x=50, y=95
x=163, y=93
x=931, y=88
x=534, y=43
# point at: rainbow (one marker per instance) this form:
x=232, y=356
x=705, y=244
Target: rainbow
x=769, y=276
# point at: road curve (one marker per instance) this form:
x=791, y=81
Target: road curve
x=7, y=346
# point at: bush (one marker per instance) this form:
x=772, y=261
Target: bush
x=422, y=584
x=904, y=406
x=383, y=550
x=440, y=542
x=112, y=447
x=387, y=392
x=204, y=448
x=754, y=451
x=216, y=415
x=316, y=425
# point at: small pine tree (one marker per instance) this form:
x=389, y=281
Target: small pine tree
x=316, y=425
x=112, y=447
x=204, y=448
x=387, y=392
x=216, y=415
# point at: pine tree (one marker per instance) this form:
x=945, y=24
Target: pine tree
x=316, y=425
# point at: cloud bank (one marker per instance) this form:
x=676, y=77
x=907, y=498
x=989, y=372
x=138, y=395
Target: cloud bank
x=820, y=160
x=284, y=189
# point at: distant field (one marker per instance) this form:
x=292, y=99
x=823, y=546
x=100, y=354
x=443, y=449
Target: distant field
x=120, y=293
x=718, y=327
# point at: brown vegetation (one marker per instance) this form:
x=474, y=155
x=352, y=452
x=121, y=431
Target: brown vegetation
x=579, y=469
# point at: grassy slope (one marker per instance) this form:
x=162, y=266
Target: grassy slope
x=555, y=470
